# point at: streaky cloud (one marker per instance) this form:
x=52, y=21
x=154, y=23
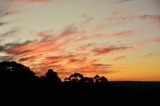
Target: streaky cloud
x=120, y=1
x=152, y=54
x=30, y=58
x=33, y=1
x=118, y=58
x=107, y=50
x=10, y=33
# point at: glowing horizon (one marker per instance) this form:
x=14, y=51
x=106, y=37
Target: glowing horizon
x=118, y=39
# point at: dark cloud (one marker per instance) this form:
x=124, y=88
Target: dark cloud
x=2, y=48
x=23, y=59
x=78, y=61
x=31, y=58
x=2, y=23
x=19, y=52
x=8, y=46
x=61, y=57
x=86, y=19
x=69, y=30
x=118, y=58
x=73, y=60
x=152, y=19
x=120, y=1
x=45, y=36
x=57, y=59
x=97, y=65
x=101, y=51
x=4, y=11
x=9, y=33
x=2, y=14
x=6, y=58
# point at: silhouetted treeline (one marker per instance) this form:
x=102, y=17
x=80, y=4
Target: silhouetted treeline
x=21, y=87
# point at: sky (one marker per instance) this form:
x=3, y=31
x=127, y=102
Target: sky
x=118, y=39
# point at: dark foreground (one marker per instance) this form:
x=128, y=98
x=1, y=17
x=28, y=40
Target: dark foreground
x=20, y=87
x=119, y=94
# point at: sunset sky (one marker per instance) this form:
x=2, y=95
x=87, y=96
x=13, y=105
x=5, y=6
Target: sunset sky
x=118, y=39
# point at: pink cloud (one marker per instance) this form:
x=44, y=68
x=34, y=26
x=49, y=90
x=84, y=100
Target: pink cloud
x=123, y=34
x=156, y=40
x=34, y=1
x=151, y=54
x=153, y=19
x=118, y=18
x=51, y=52
x=57, y=56
x=147, y=43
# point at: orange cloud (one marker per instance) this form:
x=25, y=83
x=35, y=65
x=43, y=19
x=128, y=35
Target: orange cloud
x=93, y=69
x=57, y=58
x=118, y=58
x=77, y=62
x=51, y=52
x=45, y=45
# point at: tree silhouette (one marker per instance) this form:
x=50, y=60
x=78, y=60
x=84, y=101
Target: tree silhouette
x=15, y=71
x=19, y=85
x=52, y=77
x=76, y=77
x=16, y=80
x=104, y=79
x=87, y=80
x=97, y=79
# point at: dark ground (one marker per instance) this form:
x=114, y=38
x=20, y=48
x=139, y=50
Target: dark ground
x=20, y=87
x=116, y=94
